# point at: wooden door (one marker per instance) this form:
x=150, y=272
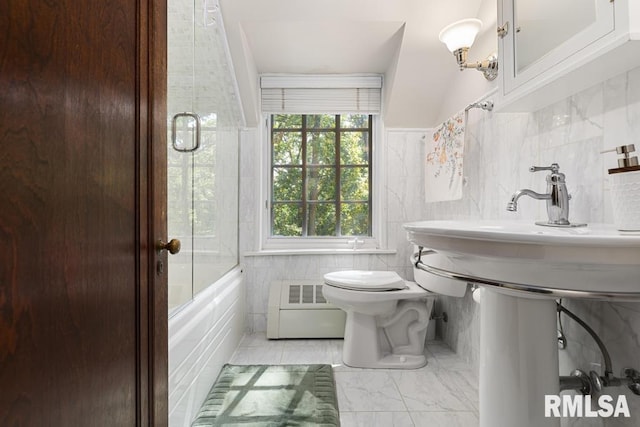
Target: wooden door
x=83, y=336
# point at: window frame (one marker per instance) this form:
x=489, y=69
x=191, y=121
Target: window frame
x=269, y=242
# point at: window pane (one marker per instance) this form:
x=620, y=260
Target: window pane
x=357, y=121
x=354, y=219
x=287, y=121
x=354, y=148
x=354, y=184
x=321, y=219
x=287, y=148
x=321, y=183
x=287, y=184
x=321, y=121
x=287, y=219
x=306, y=198
x=321, y=148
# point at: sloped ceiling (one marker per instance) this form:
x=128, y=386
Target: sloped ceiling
x=397, y=38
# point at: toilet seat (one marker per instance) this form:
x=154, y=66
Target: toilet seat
x=371, y=281
x=411, y=291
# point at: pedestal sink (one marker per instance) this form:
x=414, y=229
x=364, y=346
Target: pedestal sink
x=524, y=267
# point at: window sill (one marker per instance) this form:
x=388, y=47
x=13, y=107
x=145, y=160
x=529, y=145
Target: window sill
x=292, y=251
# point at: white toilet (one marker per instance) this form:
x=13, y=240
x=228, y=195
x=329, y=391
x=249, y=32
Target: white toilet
x=387, y=317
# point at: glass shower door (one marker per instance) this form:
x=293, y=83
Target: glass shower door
x=202, y=156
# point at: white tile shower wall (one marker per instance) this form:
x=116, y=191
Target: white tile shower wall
x=500, y=148
x=403, y=191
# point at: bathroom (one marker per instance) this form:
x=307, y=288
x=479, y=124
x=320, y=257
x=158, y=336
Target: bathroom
x=230, y=317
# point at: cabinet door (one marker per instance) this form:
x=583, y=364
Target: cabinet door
x=543, y=35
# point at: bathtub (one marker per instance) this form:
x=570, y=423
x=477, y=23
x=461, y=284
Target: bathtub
x=203, y=334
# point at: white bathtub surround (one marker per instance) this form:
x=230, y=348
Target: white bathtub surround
x=202, y=337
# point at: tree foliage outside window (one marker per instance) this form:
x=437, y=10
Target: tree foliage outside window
x=321, y=175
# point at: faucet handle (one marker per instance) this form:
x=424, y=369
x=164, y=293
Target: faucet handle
x=554, y=168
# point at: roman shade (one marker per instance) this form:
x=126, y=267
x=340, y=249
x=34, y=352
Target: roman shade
x=321, y=94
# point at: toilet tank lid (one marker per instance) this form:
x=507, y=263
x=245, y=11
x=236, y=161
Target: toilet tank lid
x=365, y=280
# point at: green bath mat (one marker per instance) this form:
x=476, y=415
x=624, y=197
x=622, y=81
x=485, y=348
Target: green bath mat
x=271, y=395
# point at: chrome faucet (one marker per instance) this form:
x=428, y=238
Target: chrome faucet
x=556, y=196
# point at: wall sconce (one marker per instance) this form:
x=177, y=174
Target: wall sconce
x=459, y=37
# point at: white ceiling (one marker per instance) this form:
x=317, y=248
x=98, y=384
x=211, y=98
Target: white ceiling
x=397, y=38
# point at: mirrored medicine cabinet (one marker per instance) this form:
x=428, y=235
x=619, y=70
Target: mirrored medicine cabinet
x=549, y=50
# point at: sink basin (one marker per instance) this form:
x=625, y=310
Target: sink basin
x=523, y=267
x=596, y=261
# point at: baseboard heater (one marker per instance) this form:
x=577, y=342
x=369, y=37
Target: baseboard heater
x=297, y=309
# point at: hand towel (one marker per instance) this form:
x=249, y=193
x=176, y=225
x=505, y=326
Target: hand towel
x=444, y=161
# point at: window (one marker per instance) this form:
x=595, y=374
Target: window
x=321, y=175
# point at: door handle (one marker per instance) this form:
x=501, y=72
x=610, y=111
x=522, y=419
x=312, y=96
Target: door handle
x=174, y=132
x=173, y=246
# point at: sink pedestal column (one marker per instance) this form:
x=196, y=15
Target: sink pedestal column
x=518, y=360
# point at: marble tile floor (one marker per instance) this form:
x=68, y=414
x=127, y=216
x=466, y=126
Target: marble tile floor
x=443, y=393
